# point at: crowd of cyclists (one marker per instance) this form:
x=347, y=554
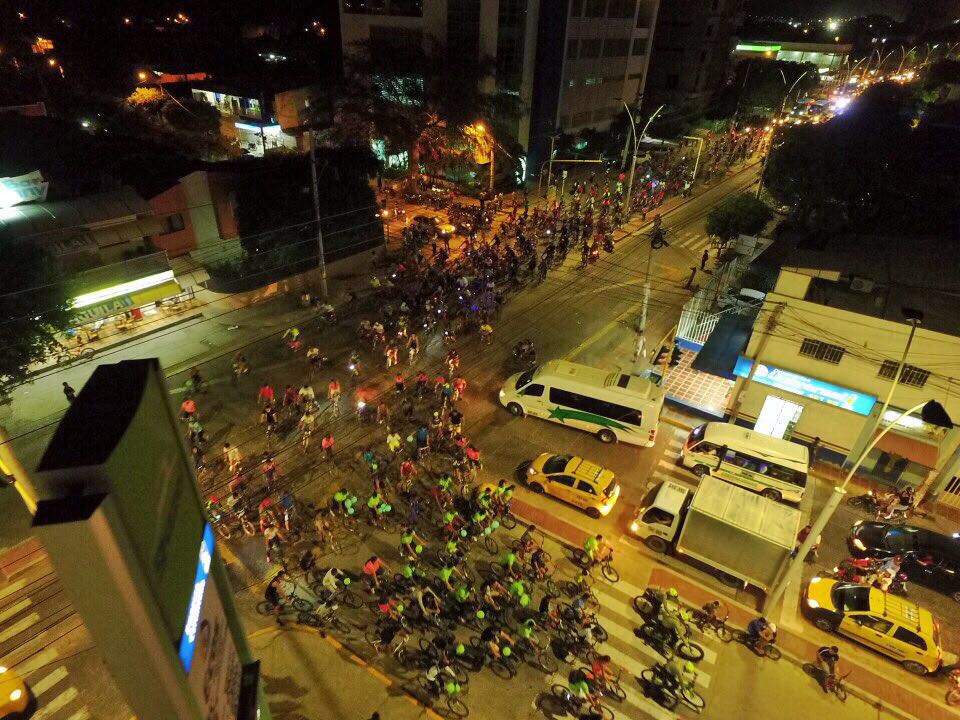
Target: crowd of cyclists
x=395, y=459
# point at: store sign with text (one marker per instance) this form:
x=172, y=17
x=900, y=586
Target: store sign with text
x=807, y=387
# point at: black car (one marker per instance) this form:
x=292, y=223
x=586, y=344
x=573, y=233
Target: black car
x=928, y=558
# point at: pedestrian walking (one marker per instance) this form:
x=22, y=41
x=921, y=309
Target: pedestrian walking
x=69, y=393
x=459, y=385
x=333, y=395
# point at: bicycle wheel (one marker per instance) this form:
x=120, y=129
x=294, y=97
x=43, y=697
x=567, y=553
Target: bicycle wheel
x=543, y=659
x=349, y=598
x=723, y=632
x=491, y=544
x=508, y=521
x=606, y=712
x=551, y=587
x=223, y=530
x=610, y=573
x=248, y=527
x=953, y=697
x=340, y=626
x=615, y=690
x=689, y=650
x=457, y=707
x=293, y=536
x=692, y=698
x=772, y=652
x=840, y=690
x=265, y=608
x=579, y=557
x=301, y=604
x=502, y=669
x=599, y=633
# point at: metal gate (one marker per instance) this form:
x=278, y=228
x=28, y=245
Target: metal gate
x=951, y=493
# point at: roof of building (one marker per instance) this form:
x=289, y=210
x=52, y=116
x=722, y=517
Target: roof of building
x=879, y=276
x=96, y=212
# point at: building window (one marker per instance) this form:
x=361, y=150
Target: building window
x=635, y=76
x=572, y=49
x=616, y=47
x=639, y=47
x=910, y=375
x=581, y=118
x=590, y=48
x=172, y=223
x=622, y=8
x=821, y=351
x=592, y=81
x=595, y=8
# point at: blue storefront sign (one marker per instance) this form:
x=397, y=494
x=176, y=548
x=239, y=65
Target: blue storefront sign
x=807, y=387
x=188, y=641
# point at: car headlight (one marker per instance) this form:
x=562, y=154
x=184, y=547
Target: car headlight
x=814, y=579
x=2, y=669
x=502, y=394
x=813, y=603
x=858, y=544
x=634, y=527
x=531, y=471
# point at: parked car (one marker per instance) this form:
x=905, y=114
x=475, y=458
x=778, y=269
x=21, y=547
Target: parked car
x=928, y=558
x=893, y=626
x=424, y=224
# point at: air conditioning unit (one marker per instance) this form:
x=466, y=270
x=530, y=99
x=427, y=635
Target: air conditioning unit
x=862, y=285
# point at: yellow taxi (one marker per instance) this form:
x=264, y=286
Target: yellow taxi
x=574, y=480
x=891, y=625
x=14, y=696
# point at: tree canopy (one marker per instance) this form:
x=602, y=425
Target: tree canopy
x=419, y=98
x=878, y=167
x=34, y=307
x=759, y=87
x=741, y=214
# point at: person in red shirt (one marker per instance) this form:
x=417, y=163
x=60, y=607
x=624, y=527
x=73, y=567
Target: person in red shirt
x=188, y=409
x=327, y=444
x=407, y=471
x=290, y=396
x=265, y=396
x=459, y=385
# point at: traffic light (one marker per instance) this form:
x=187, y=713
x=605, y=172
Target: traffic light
x=675, y=356
x=661, y=355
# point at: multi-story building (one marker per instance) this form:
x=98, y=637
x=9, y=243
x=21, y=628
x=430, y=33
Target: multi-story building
x=691, y=51
x=572, y=63
x=827, y=346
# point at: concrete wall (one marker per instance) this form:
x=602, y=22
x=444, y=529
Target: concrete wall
x=169, y=202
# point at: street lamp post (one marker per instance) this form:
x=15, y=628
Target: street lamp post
x=636, y=143
x=931, y=410
x=696, y=163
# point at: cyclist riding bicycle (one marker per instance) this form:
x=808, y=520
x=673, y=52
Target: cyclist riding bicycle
x=538, y=563
x=761, y=633
x=411, y=544
x=827, y=659
x=528, y=540
x=493, y=637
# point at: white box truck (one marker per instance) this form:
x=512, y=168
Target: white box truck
x=742, y=537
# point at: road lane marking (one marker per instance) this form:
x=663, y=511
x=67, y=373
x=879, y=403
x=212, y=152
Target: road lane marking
x=57, y=704
x=35, y=662
x=45, y=683
x=19, y=626
x=15, y=609
x=81, y=714
x=12, y=588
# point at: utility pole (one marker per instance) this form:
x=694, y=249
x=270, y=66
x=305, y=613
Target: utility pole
x=322, y=262
x=13, y=472
x=757, y=354
x=636, y=142
x=550, y=165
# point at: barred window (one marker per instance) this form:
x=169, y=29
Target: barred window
x=821, y=351
x=910, y=375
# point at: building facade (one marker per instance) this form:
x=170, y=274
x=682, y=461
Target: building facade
x=572, y=63
x=826, y=347
x=691, y=51
x=831, y=59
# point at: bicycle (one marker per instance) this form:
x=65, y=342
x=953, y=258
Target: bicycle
x=325, y=616
x=606, y=565
x=396, y=648
x=299, y=604
x=758, y=646
x=718, y=626
x=658, y=676
x=829, y=683
x=573, y=705
x=451, y=690
x=610, y=687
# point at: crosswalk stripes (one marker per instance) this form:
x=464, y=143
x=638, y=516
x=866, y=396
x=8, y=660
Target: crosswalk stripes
x=627, y=651
x=668, y=467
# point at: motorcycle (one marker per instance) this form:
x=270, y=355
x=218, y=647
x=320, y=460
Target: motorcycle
x=870, y=501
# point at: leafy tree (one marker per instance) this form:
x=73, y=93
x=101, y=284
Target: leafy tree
x=879, y=167
x=760, y=86
x=418, y=98
x=146, y=97
x=741, y=214
x=34, y=307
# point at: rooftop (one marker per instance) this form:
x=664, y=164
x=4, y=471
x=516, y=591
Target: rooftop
x=879, y=276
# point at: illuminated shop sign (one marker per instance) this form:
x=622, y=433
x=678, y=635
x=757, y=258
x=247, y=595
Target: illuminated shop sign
x=807, y=387
x=188, y=641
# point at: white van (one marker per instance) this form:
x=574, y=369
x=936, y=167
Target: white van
x=614, y=406
x=775, y=468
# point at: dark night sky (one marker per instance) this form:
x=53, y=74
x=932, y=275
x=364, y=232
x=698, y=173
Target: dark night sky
x=822, y=8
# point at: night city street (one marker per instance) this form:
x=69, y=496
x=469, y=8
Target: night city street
x=395, y=359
